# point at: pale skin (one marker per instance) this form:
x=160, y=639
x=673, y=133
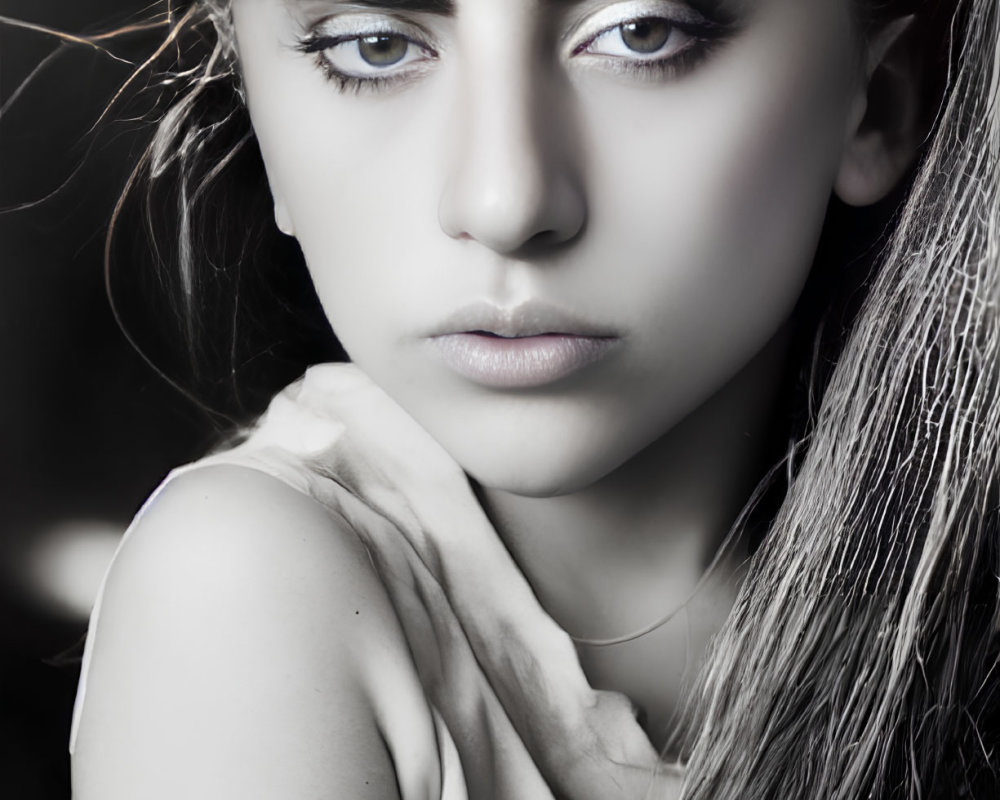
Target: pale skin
x=665, y=207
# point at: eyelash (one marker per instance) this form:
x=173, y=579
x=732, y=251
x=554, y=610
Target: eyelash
x=705, y=37
x=674, y=66
x=317, y=44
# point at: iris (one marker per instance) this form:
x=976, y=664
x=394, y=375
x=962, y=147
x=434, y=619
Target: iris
x=383, y=49
x=646, y=35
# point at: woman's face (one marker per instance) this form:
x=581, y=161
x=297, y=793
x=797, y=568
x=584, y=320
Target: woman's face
x=551, y=229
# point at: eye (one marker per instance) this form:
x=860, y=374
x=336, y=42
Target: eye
x=647, y=38
x=366, y=52
x=650, y=40
x=371, y=54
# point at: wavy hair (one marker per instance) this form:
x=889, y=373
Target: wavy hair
x=862, y=657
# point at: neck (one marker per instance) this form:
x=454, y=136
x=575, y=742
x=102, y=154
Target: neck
x=609, y=559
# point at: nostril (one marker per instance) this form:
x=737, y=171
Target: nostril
x=541, y=243
x=545, y=238
x=527, y=210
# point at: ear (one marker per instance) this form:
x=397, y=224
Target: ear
x=282, y=218
x=886, y=128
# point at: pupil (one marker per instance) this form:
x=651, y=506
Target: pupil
x=645, y=35
x=383, y=50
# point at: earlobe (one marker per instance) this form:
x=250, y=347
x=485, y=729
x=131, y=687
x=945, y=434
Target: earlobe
x=282, y=218
x=886, y=129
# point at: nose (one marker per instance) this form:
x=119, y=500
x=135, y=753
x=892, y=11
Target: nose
x=512, y=184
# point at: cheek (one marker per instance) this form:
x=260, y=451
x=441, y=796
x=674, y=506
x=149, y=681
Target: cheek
x=361, y=228
x=363, y=208
x=719, y=186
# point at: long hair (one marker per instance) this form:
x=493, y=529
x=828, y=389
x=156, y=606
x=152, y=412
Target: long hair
x=861, y=657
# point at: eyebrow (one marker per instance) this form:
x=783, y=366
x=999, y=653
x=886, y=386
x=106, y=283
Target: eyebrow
x=447, y=7
x=442, y=7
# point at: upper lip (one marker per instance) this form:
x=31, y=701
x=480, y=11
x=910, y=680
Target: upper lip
x=530, y=318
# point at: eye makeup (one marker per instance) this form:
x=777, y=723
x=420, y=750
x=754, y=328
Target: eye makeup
x=368, y=52
x=647, y=39
x=371, y=51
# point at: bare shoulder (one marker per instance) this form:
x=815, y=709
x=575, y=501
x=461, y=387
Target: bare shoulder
x=238, y=653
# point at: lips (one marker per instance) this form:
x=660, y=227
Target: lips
x=529, y=345
x=531, y=318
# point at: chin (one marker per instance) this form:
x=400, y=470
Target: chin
x=535, y=446
x=532, y=472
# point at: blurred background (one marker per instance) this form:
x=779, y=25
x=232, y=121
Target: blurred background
x=87, y=429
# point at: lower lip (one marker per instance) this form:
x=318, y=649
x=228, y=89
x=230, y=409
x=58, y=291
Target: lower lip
x=519, y=363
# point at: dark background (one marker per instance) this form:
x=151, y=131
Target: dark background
x=87, y=429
